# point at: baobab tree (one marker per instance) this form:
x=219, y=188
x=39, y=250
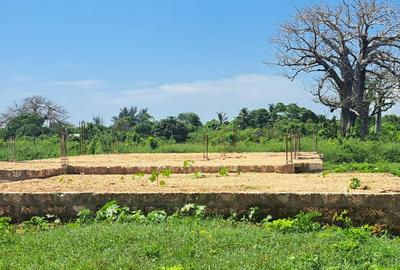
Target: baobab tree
x=343, y=45
x=50, y=111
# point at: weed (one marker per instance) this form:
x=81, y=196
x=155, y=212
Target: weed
x=192, y=209
x=85, y=216
x=223, y=171
x=166, y=173
x=111, y=212
x=198, y=175
x=40, y=223
x=342, y=220
x=154, y=177
x=188, y=163
x=138, y=175
x=253, y=214
x=355, y=183
x=157, y=216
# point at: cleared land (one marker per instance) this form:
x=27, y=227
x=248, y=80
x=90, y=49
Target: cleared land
x=246, y=182
x=130, y=160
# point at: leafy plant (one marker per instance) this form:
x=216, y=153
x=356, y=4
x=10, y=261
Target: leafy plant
x=303, y=222
x=85, y=216
x=157, y=216
x=198, y=175
x=166, y=173
x=138, y=175
x=342, y=220
x=40, y=223
x=154, y=177
x=223, y=171
x=192, y=209
x=253, y=214
x=188, y=163
x=355, y=183
x=111, y=212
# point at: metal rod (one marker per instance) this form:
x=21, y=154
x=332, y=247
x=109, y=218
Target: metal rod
x=286, y=149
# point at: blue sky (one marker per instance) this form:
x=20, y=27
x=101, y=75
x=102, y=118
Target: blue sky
x=171, y=56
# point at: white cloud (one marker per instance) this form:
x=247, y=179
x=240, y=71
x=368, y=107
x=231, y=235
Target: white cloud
x=81, y=84
x=207, y=97
x=235, y=84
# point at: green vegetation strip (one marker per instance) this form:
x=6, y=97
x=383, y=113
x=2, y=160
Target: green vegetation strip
x=116, y=238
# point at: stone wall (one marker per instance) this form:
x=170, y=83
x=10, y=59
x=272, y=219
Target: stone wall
x=18, y=175
x=363, y=208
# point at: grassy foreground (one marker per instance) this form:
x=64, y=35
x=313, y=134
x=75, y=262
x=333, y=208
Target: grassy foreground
x=117, y=238
x=193, y=244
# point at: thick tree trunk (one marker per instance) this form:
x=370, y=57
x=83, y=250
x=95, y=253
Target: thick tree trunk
x=364, y=129
x=347, y=119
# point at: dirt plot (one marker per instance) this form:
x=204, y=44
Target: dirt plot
x=246, y=182
x=129, y=160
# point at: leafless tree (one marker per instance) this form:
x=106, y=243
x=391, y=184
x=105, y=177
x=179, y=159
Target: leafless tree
x=343, y=45
x=384, y=91
x=51, y=112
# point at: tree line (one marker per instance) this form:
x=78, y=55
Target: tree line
x=39, y=117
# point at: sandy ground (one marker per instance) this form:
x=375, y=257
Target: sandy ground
x=215, y=159
x=246, y=182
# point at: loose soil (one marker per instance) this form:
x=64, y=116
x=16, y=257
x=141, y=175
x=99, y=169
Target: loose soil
x=129, y=160
x=246, y=182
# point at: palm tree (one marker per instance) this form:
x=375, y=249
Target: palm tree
x=222, y=118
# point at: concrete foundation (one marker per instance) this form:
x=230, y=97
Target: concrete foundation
x=363, y=208
x=18, y=175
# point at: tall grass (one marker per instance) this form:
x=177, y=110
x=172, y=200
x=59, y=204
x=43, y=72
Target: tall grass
x=332, y=151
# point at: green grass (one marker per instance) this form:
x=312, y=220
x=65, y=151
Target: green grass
x=194, y=244
x=382, y=167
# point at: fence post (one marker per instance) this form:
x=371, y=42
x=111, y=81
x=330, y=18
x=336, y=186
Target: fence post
x=286, y=149
x=205, y=146
x=291, y=148
x=315, y=140
x=12, y=149
x=64, y=149
x=82, y=127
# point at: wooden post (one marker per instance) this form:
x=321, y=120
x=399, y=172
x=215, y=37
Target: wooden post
x=12, y=150
x=286, y=149
x=291, y=148
x=299, y=149
x=82, y=126
x=205, y=146
x=294, y=145
x=315, y=140
x=63, y=149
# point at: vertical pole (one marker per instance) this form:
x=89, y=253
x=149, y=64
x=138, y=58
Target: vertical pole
x=12, y=149
x=207, y=146
x=82, y=127
x=294, y=145
x=64, y=149
x=286, y=149
x=291, y=148
x=314, y=147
